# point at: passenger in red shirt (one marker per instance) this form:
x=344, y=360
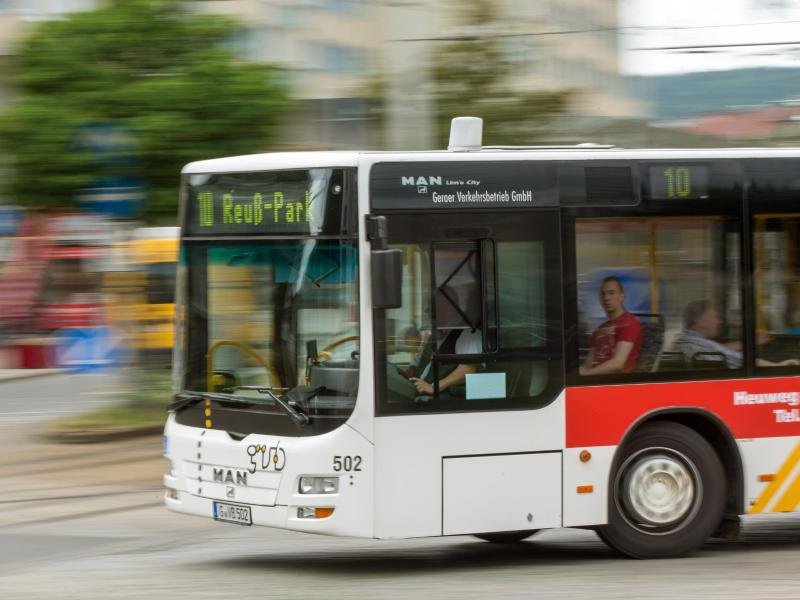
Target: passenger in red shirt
x=616, y=344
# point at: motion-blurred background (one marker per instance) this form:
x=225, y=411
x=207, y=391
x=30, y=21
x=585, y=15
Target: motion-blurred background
x=102, y=102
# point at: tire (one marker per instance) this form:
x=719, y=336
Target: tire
x=667, y=495
x=506, y=537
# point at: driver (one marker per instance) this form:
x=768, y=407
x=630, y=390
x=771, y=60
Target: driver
x=458, y=334
x=465, y=341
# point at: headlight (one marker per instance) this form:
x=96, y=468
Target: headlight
x=319, y=485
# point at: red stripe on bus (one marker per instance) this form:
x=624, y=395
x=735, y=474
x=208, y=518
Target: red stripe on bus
x=750, y=408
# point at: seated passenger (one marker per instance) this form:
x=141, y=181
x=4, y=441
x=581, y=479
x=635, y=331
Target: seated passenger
x=616, y=344
x=701, y=327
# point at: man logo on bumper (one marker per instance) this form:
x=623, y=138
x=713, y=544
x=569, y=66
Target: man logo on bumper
x=230, y=476
x=230, y=492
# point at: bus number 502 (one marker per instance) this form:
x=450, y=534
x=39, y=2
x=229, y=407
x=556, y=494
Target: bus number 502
x=346, y=463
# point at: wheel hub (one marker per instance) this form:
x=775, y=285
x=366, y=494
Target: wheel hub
x=659, y=490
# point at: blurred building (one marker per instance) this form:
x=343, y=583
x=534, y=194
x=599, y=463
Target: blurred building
x=329, y=50
x=772, y=124
x=575, y=44
x=359, y=70
x=556, y=44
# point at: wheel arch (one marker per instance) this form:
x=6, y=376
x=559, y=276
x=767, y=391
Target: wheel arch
x=712, y=428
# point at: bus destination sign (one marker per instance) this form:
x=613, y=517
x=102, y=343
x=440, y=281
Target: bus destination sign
x=231, y=209
x=678, y=182
x=463, y=185
x=272, y=203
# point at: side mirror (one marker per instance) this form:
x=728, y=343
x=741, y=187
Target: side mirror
x=387, y=275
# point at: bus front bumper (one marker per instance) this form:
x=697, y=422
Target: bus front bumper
x=209, y=477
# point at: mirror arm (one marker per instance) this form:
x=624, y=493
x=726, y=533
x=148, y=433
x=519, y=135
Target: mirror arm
x=377, y=232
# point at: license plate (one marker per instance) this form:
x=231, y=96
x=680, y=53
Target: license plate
x=232, y=513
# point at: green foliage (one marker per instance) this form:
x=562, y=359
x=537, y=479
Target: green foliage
x=151, y=68
x=474, y=77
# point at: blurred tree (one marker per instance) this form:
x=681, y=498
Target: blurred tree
x=150, y=70
x=474, y=77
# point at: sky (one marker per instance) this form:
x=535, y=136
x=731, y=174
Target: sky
x=660, y=23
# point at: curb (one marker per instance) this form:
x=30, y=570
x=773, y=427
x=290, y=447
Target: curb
x=97, y=436
x=30, y=374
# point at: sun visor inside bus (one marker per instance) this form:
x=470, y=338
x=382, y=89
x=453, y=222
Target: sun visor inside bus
x=292, y=264
x=596, y=185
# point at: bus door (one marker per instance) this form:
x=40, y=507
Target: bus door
x=469, y=375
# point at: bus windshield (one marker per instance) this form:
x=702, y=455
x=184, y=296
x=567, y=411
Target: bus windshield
x=267, y=302
x=270, y=317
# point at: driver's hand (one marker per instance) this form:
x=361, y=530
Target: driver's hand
x=423, y=387
x=790, y=362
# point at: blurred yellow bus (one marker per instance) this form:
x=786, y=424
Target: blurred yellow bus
x=152, y=253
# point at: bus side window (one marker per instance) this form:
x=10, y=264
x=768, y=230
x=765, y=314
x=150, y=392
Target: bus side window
x=669, y=289
x=777, y=289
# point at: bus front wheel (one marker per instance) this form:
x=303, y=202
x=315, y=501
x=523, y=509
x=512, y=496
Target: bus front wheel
x=667, y=495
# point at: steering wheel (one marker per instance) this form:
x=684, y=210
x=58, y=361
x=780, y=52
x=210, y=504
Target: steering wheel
x=249, y=350
x=325, y=353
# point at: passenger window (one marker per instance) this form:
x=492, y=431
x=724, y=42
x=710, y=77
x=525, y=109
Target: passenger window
x=658, y=295
x=777, y=283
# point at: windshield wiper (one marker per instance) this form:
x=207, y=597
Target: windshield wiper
x=181, y=401
x=300, y=395
x=192, y=398
x=299, y=418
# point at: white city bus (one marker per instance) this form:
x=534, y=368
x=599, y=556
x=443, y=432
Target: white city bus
x=410, y=344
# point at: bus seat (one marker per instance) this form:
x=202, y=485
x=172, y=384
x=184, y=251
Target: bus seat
x=652, y=340
x=708, y=360
x=671, y=361
x=518, y=378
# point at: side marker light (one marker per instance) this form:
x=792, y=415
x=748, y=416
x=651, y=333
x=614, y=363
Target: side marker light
x=585, y=489
x=314, y=512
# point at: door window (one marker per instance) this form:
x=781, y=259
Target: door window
x=478, y=328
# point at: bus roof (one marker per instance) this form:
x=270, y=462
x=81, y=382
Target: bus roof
x=304, y=160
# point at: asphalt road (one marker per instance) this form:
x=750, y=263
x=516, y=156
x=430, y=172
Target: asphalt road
x=43, y=398
x=87, y=522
